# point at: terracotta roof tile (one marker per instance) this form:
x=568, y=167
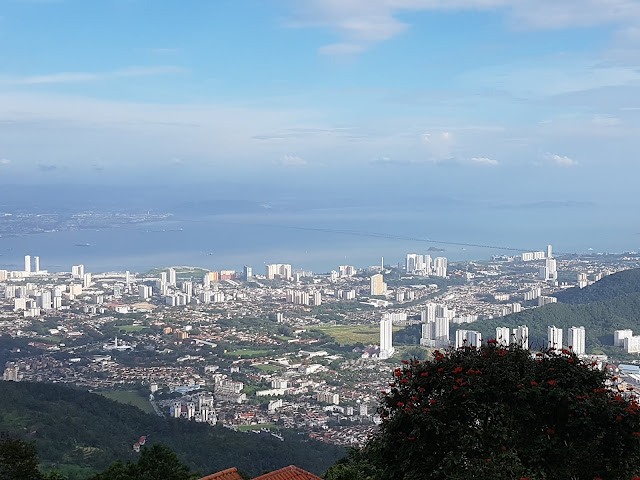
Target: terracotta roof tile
x=228, y=474
x=288, y=473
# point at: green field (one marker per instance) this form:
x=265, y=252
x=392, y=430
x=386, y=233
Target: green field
x=130, y=397
x=130, y=328
x=247, y=353
x=266, y=368
x=268, y=426
x=349, y=335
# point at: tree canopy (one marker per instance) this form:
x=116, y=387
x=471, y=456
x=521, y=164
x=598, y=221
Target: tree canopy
x=499, y=412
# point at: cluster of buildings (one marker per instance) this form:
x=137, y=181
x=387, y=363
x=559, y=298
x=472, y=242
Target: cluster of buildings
x=417, y=264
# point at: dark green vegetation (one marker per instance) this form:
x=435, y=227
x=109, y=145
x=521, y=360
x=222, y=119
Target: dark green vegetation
x=501, y=414
x=80, y=433
x=611, y=304
x=19, y=461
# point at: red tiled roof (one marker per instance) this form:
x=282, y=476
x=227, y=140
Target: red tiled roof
x=288, y=473
x=228, y=474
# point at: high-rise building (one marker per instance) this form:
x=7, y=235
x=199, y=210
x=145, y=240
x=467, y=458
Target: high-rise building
x=468, y=338
x=77, y=271
x=378, y=287
x=248, y=273
x=521, y=336
x=576, y=340
x=347, y=271
x=44, y=300
x=618, y=336
x=440, y=267
x=503, y=336
x=86, y=280
x=172, y=277
x=206, y=281
x=549, y=273
x=36, y=264
x=27, y=263
x=549, y=251
x=554, y=338
x=187, y=287
x=436, y=333
x=386, y=337
x=429, y=313
x=278, y=270
x=144, y=292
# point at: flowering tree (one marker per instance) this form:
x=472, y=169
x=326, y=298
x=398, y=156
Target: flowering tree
x=500, y=413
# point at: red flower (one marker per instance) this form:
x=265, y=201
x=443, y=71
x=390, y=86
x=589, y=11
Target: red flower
x=414, y=398
x=432, y=401
x=504, y=449
x=441, y=370
x=455, y=387
x=533, y=384
x=520, y=385
x=404, y=380
x=411, y=438
x=492, y=342
x=401, y=404
x=405, y=362
x=426, y=409
x=551, y=382
x=550, y=431
x=424, y=374
x=636, y=434
x=488, y=460
x=457, y=370
x=421, y=389
x=619, y=418
x=459, y=380
x=398, y=373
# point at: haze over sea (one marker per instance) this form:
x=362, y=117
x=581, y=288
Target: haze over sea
x=226, y=228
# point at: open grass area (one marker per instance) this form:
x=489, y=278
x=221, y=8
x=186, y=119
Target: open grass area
x=130, y=397
x=248, y=353
x=130, y=328
x=266, y=368
x=268, y=426
x=349, y=335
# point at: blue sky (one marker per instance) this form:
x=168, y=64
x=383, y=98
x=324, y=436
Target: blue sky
x=539, y=98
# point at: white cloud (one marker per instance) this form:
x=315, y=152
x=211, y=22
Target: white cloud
x=485, y=161
x=4, y=161
x=293, y=161
x=79, y=77
x=438, y=145
x=562, y=160
x=364, y=22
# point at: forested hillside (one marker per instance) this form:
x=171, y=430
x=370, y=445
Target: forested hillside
x=80, y=433
x=612, y=303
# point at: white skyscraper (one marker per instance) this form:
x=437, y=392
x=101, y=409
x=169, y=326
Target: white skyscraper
x=77, y=271
x=386, y=337
x=27, y=263
x=172, y=277
x=619, y=336
x=427, y=265
x=206, y=281
x=550, y=270
x=521, y=336
x=440, y=267
x=503, y=336
x=86, y=280
x=576, y=340
x=436, y=333
x=429, y=313
x=549, y=251
x=554, y=338
x=36, y=261
x=468, y=338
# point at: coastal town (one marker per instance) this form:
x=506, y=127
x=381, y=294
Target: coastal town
x=276, y=349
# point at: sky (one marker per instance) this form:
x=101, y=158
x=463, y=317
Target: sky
x=534, y=99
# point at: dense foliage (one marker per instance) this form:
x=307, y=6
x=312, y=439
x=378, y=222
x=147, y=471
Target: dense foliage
x=81, y=433
x=19, y=461
x=500, y=413
x=156, y=462
x=610, y=304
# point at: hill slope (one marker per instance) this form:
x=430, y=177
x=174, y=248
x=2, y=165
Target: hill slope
x=612, y=303
x=80, y=433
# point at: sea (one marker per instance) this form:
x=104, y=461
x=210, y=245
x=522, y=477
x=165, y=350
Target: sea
x=321, y=237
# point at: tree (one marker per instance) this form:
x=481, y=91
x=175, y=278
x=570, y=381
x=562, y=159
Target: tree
x=155, y=463
x=18, y=460
x=499, y=412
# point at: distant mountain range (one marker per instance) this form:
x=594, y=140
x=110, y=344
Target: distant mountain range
x=80, y=433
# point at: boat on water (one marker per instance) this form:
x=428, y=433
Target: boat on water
x=83, y=244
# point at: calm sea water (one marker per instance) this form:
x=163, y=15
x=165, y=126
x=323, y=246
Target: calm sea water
x=320, y=239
